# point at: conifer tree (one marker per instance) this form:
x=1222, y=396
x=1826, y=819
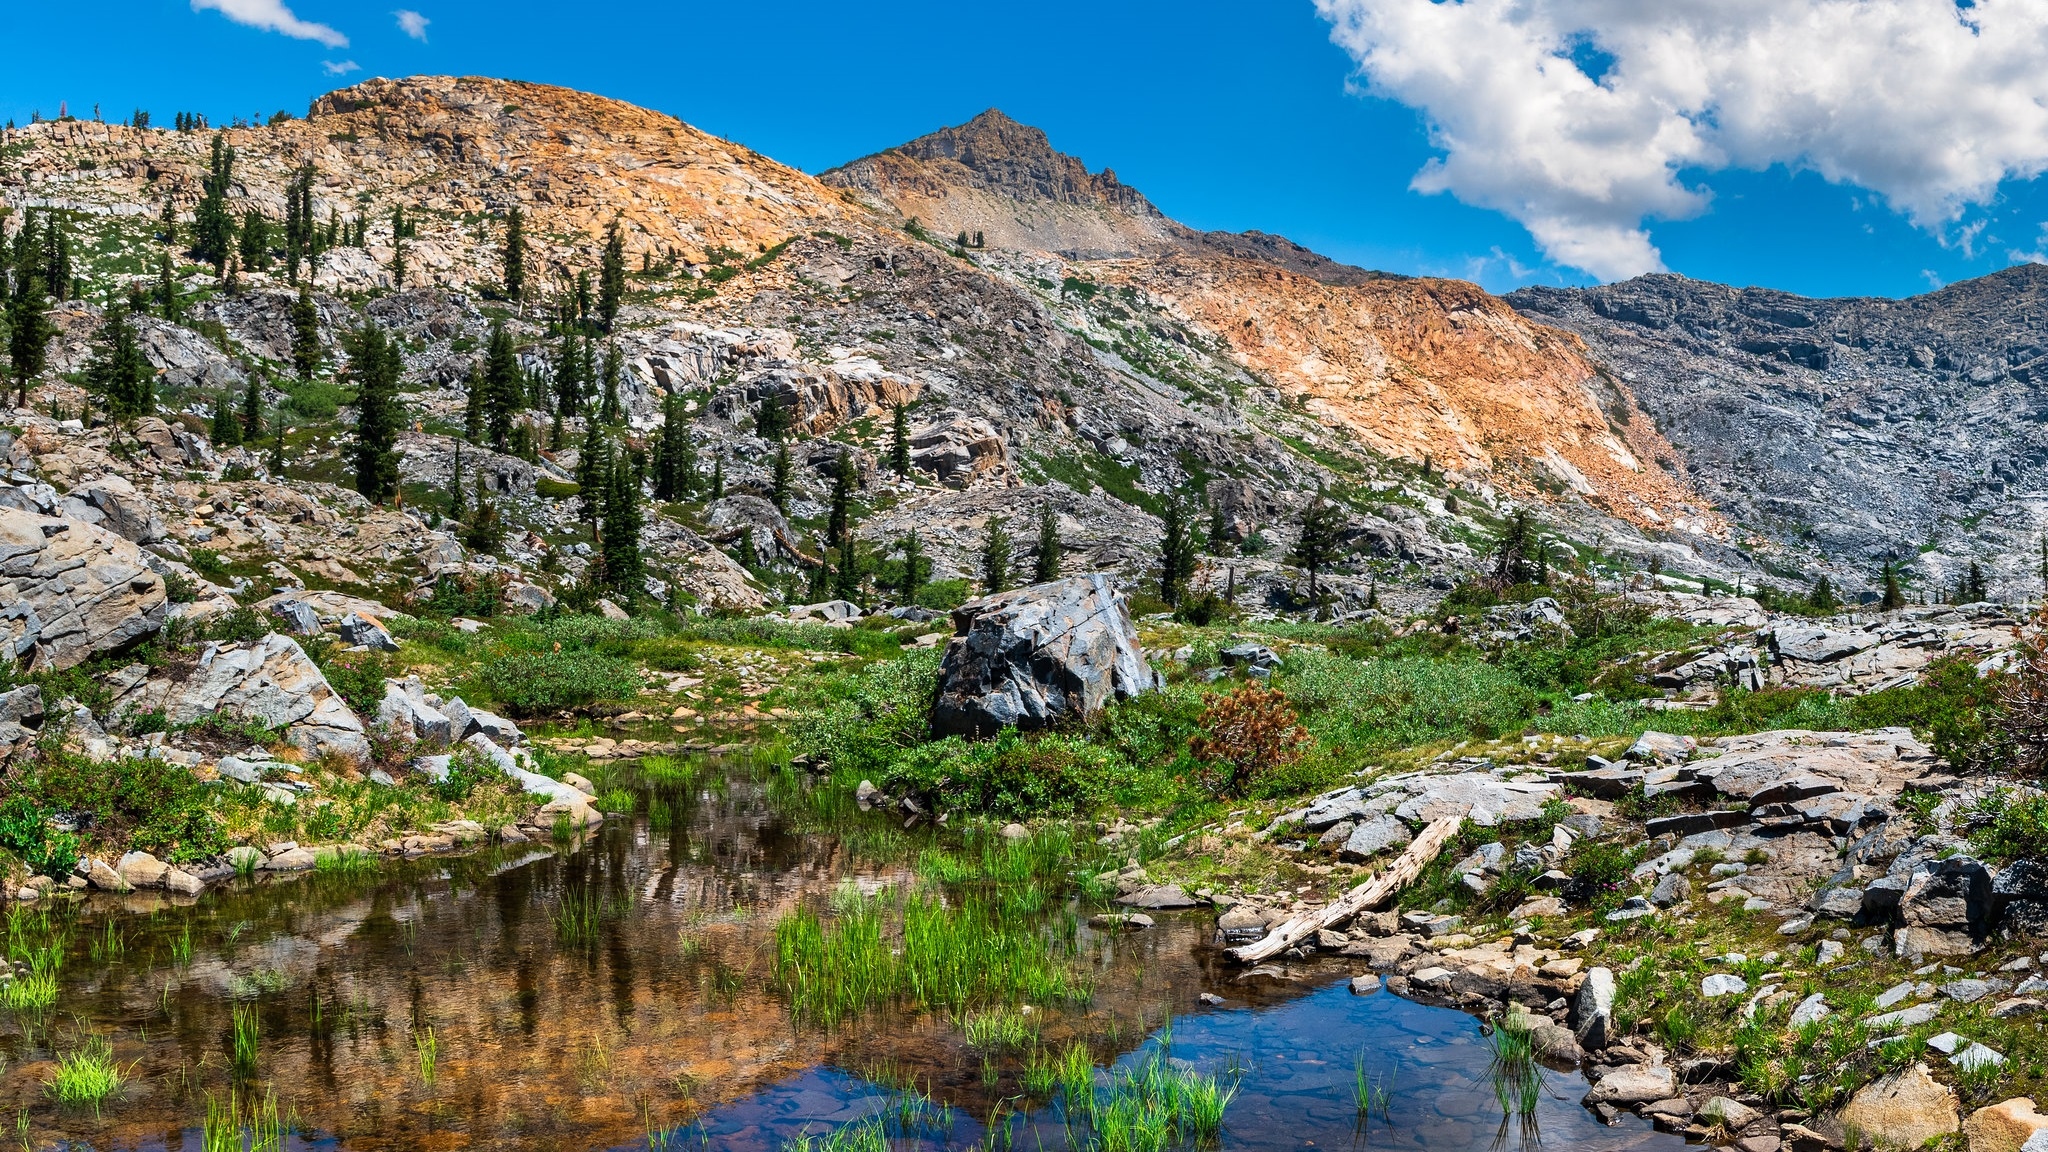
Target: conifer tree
x=57, y=271
x=846, y=572
x=718, y=479
x=298, y=221
x=1317, y=544
x=995, y=557
x=611, y=412
x=502, y=390
x=593, y=474
x=569, y=389
x=1219, y=530
x=397, y=264
x=611, y=291
x=306, y=355
x=456, y=507
x=1822, y=597
x=213, y=227
x=1892, y=598
x=674, y=455
x=29, y=332
x=165, y=293
x=1976, y=588
x=252, y=409
x=838, y=522
x=168, y=218
x=778, y=484
x=821, y=575
x=255, y=242
x=223, y=429
x=583, y=300
x=276, y=462
x=473, y=403
x=1045, y=566
x=1515, y=553
x=916, y=568
x=515, y=255
x=622, y=524
x=771, y=417
x=1177, y=549
x=118, y=374
x=747, y=557
x=375, y=363
x=899, y=441
x=486, y=532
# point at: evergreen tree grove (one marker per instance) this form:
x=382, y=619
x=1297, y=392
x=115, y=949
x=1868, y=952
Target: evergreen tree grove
x=622, y=525
x=29, y=332
x=376, y=365
x=223, y=429
x=502, y=391
x=213, y=226
x=838, y=520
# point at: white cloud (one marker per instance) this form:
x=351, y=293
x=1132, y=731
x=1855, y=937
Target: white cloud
x=340, y=68
x=412, y=24
x=272, y=16
x=1929, y=103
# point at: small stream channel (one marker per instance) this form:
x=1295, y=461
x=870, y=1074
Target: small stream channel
x=438, y=1004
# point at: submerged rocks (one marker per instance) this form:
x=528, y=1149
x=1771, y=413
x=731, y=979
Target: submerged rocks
x=1037, y=655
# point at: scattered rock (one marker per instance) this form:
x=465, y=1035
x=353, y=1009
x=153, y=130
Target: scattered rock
x=1593, y=1010
x=1723, y=984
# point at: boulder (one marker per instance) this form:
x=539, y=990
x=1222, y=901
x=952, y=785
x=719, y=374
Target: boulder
x=359, y=629
x=113, y=503
x=1380, y=834
x=1905, y=1109
x=1672, y=889
x=102, y=876
x=70, y=591
x=827, y=611
x=1593, y=1009
x=21, y=713
x=1730, y=1114
x=611, y=611
x=270, y=681
x=1662, y=747
x=297, y=617
x=1159, y=896
x=1723, y=984
x=141, y=870
x=2004, y=1127
x=1634, y=1084
x=523, y=599
x=1037, y=655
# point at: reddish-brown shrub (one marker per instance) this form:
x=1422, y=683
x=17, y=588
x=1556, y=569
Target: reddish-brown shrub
x=1246, y=733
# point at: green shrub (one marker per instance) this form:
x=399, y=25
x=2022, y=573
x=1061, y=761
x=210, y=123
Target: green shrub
x=1011, y=776
x=860, y=722
x=314, y=399
x=552, y=489
x=25, y=831
x=532, y=683
x=2014, y=829
x=244, y=625
x=1958, y=712
x=358, y=677
x=208, y=563
x=943, y=595
x=154, y=806
x=467, y=768
x=1386, y=704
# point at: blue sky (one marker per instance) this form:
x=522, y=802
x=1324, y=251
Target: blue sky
x=1228, y=115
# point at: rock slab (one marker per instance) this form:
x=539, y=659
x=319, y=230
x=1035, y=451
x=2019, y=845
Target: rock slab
x=1037, y=655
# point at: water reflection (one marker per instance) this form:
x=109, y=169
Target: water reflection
x=584, y=996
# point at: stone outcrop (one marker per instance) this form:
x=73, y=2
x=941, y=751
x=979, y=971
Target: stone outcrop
x=70, y=591
x=1905, y=1109
x=270, y=681
x=1037, y=655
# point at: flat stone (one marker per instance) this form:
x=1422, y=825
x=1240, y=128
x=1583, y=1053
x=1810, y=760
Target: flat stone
x=1365, y=985
x=1723, y=984
x=1894, y=994
x=1811, y=1010
x=1160, y=896
x=1909, y=1107
x=1539, y=906
x=183, y=883
x=2004, y=1127
x=1689, y=823
x=2016, y=1007
x=1976, y=1056
x=1373, y=837
x=1730, y=1114
x=1634, y=1084
x=1904, y=1018
x=293, y=860
x=1967, y=991
x=142, y=870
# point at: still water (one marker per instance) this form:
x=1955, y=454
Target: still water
x=436, y=1004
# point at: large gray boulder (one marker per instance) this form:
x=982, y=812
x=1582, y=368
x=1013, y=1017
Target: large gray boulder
x=271, y=681
x=70, y=591
x=1037, y=655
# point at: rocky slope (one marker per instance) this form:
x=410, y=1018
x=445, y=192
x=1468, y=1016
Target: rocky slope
x=1842, y=433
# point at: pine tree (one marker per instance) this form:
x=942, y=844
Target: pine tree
x=213, y=226
x=1045, y=566
x=276, y=462
x=718, y=479
x=118, y=374
x=1177, y=550
x=2042, y=571
x=376, y=364
x=502, y=390
x=593, y=474
x=569, y=389
x=611, y=411
x=252, y=409
x=57, y=271
x=169, y=220
x=397, y=264
x=1317, y=544
x=166, y=290
x=456, y=507
x=995, y=557
x=255, y=242
x=473, y=403
x=29, y=332
x=778, y=489
x=916, y=568
x=820, y=586
x=1219, y=543
x=771, y=417
x=846, y=573
x=298, y=221
x=306, y=355
x=899, y=441
x=611, y=291
x=1977, y=589
x=1514, y=555
x=1892, y=599
x=839, y=522
x=486, y=533
x=583, y=300
x=747, y=557
x=515, y=255
x=674, y=455
x=223, y=429
x=622, y=524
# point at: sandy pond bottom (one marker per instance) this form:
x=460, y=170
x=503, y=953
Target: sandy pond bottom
x=442, y=1004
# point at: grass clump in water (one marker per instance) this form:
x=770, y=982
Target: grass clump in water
x=1151, y=1107
x=946, y=957
x=580, y=919
x=87, y=1076
x=1516, y=1076
x=243, y=1040
x=228, y=1126
x=1000, y=1028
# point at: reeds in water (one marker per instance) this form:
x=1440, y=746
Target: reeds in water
x=230, y=1127
x=88, y=1075
x=1517, y=1077
x=244, y=1039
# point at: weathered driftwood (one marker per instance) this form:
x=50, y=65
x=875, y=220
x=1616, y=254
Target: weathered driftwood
x=1376, y=890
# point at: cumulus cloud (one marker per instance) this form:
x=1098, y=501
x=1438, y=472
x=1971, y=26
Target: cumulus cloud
x=340, y=67
x=412, y=24
x=1583, y=118
x=272, y=16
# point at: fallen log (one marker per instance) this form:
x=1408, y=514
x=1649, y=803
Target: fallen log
x=1373, y=892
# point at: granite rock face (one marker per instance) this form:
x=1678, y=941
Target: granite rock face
x=271, y=681
x=70, y=591
x=1030, y=657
